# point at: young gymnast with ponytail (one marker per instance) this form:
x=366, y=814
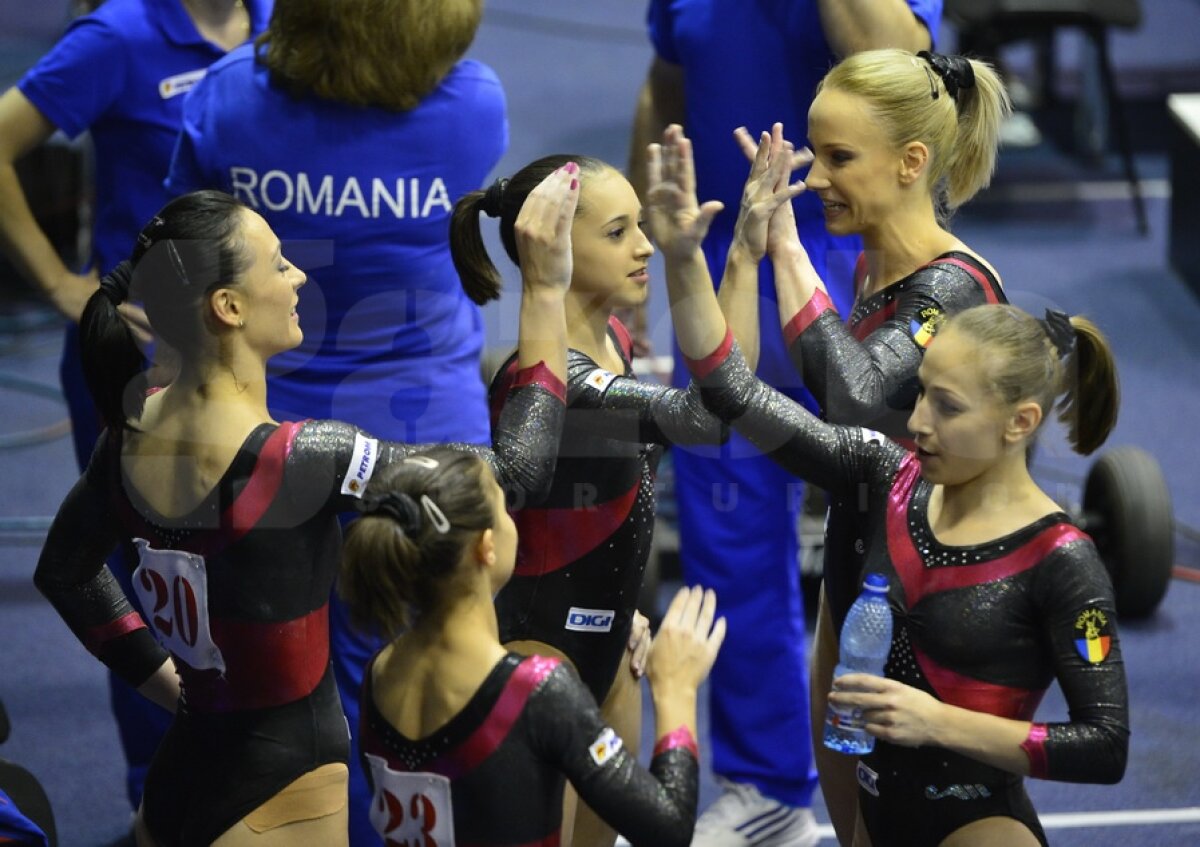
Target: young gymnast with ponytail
x=468, y=742
x=995, y=592
x=584, y=549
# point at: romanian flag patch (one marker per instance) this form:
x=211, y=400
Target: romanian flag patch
x=926, y=324
x=1093, y=636
x=607, y=745
x=600, y=380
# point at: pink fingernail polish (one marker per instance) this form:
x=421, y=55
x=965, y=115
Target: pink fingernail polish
x=571, y=168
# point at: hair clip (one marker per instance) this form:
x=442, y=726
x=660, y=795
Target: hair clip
x=436, y=516
x=427, y=462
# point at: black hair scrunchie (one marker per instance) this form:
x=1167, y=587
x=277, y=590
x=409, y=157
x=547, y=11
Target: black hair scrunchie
x=115, y=283
x=1057, y=326
x=956, y=72
x=396, y=505
x=490, y=205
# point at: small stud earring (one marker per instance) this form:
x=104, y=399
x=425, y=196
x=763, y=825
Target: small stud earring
x=241, y=323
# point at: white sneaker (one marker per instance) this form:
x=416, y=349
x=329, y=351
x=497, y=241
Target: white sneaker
x=743, y=817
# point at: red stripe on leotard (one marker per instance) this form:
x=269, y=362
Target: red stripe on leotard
x=500, y=720
x=919, y=581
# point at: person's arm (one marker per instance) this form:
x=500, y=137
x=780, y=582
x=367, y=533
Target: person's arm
x=340, y=459
x=854, y=25
x=660, y=104
x=71, y=574
x=22, y=128
x=765, y=212
x=658, y=806
x=627, y=409
x=1073, y=594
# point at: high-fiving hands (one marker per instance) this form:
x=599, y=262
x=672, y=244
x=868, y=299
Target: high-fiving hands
x=678, y=221
x=765, y=220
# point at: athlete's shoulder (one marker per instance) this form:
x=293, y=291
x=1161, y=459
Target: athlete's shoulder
x=960, y=274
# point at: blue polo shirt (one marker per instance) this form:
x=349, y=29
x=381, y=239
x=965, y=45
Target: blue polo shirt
x=362, y=198
x=121, y=72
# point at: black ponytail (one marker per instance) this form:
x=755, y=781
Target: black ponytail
x=113, y=364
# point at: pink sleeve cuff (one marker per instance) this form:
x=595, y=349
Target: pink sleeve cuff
x=681, y=737
x=541, y=375
x=817, y=305
x=1034, y=746
x=701, y=368
x=97, y=637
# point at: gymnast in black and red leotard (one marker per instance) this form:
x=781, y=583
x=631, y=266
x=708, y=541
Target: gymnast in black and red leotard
x=234, y=518
x=583, y=550
x=995, y=593
x=467, y=742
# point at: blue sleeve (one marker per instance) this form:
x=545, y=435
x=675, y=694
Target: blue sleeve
x=929, y=12
x=659, y=23
x=81, y=77
x=187, y=172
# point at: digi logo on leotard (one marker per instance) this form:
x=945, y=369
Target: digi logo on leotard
x=362, y=465
x=868, y=779
x=590, y=620
x=607, y=745
x=1096, y=640
x=600, y=380
x=926, y=324
x=173, y=86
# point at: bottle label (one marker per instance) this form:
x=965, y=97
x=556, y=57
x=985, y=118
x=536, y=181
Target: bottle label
x=848, y=720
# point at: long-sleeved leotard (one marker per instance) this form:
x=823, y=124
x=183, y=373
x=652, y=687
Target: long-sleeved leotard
x=864, y=372
x=986, y=627
x=236, y=591
x=501, y=761
x=582, y=552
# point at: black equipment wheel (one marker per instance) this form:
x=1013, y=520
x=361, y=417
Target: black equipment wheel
x=1127, y=510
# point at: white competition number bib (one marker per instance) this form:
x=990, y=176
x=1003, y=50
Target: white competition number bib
x=410, y=809
x=173, y=588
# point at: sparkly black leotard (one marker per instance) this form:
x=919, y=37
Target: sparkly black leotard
x=500, y=764
x=582, y=552
x=985, y=627
x=864, y=372
x=236, y=590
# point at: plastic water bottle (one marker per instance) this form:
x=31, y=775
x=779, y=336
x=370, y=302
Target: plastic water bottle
x=866, y=640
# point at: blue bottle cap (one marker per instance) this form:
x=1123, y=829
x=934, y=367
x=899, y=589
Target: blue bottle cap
x=876, y=582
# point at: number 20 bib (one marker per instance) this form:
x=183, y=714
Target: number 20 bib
x=173, y=588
